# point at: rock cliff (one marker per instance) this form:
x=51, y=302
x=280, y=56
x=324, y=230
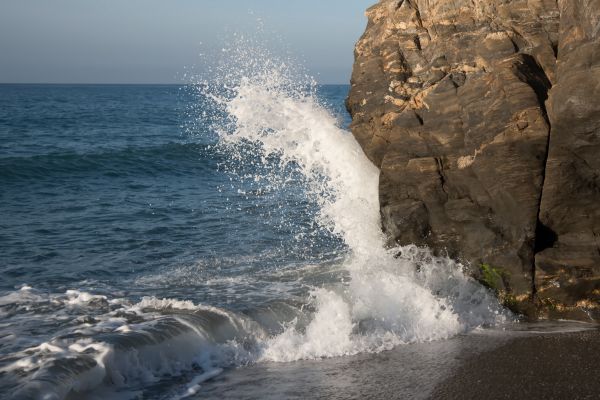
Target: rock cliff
x=484, y=119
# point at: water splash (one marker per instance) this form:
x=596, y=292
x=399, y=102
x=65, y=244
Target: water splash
x=269, y=111
x=268, y=120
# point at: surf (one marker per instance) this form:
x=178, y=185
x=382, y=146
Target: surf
x=276, y=140
x=387, y=299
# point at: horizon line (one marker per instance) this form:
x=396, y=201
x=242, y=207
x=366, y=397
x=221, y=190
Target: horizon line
x=126, y=83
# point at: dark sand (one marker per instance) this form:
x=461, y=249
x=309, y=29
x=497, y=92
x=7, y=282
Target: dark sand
x=541, y=366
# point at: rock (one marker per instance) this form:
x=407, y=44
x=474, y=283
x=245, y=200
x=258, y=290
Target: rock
x=448, y=99
x=568, y=266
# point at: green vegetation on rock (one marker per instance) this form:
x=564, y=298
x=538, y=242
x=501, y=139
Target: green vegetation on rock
x=491, y=277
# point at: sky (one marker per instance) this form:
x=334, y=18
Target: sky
x=155, y=41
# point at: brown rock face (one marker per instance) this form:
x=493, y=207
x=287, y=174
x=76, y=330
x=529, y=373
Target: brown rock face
x=448, y=98
x=568, y=270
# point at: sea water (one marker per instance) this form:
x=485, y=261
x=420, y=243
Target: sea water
x=155, y=237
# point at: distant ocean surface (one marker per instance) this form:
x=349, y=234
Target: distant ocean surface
x=104, y=186
x=154, y=238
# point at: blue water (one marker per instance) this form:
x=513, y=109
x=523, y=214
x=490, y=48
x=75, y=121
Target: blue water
x=156, y=240
x=114, y=193
x=102, y=185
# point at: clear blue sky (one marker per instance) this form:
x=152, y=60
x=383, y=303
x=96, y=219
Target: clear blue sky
x=153, y=41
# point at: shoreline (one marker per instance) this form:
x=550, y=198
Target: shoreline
x=563, y=365
x=461, y=367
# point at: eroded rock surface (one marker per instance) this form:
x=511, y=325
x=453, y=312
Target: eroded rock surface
x=449, y=97
x=568, y=266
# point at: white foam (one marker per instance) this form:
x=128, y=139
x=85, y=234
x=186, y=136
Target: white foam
x=166, y=337
x=293, y=125
x=79, y=298
x=25, y=294
x=162, y=304
x=327, y=335
x=388, y=301
x=194, y=386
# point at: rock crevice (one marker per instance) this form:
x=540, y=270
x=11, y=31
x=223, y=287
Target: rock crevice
x=483, y=118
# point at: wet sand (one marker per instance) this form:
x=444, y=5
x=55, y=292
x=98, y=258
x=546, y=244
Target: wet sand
x=533, y=361
x=541, y=366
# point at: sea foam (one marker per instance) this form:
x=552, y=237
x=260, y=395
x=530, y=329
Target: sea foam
x=268, y=119
x=388, y=300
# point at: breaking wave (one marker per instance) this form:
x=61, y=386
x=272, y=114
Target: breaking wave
x=274, y=130
x=391, y=296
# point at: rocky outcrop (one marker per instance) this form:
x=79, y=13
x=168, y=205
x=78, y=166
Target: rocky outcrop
x=489, y=147
x=567, y=273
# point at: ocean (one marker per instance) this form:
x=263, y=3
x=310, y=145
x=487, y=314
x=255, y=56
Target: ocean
x=218, y=239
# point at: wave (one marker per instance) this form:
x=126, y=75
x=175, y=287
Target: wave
x=393, y=295
x=173, y=158
x=272, y=130
x=111, y=343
